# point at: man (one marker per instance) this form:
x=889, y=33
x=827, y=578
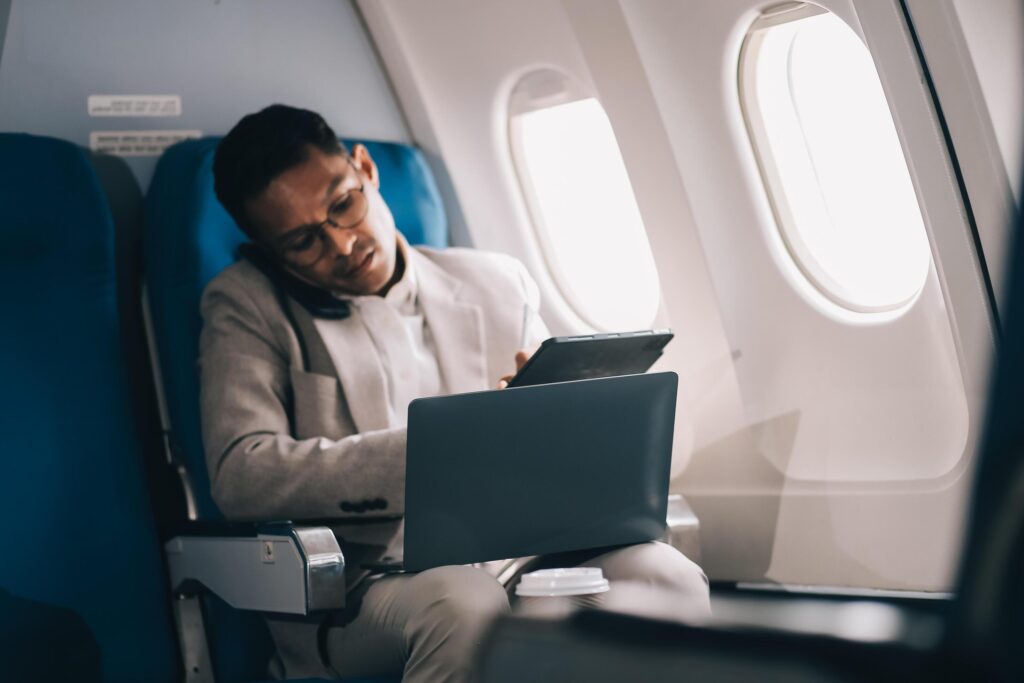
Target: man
x=312, y=348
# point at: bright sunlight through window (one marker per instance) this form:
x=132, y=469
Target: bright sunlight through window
x=832, y=162
x=585, y=213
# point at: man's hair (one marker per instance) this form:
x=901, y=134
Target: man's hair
x=261, y=147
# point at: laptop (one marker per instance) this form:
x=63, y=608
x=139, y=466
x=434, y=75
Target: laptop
x=539, y=469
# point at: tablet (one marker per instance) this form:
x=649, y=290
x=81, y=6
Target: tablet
x=564, y=359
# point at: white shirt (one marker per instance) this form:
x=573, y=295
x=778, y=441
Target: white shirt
x=402, y=339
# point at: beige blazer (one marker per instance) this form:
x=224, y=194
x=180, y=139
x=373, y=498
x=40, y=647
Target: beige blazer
x=294, y=438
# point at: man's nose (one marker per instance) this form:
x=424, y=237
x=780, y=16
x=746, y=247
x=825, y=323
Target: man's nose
x=341, y=239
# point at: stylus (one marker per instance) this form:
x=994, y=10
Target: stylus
x=526, y=321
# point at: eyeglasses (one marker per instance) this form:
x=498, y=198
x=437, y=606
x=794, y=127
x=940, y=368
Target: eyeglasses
x=307, y=246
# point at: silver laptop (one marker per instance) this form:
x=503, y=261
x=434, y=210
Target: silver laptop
x=538, y=469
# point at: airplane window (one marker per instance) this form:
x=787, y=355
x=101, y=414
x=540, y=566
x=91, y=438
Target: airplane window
x=582, y=203
x=832, y=162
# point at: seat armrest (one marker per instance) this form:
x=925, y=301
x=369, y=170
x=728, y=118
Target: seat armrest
x=273, y=568
x=683, y=527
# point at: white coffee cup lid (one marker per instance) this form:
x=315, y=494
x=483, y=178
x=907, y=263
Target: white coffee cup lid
x=562, y=582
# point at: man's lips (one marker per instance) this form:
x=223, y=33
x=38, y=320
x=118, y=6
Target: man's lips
x=361, y=267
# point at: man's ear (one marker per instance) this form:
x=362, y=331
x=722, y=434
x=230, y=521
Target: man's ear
x=362, y=161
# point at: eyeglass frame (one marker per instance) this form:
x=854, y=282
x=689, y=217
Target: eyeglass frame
x=319, y=230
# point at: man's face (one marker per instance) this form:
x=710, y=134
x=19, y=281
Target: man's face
x=328, y=233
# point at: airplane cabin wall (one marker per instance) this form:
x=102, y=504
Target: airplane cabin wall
x=975, y=55
x=818, y=446
x=857, y=429
x=225, y=58
x=995, y=44
x=454, y=65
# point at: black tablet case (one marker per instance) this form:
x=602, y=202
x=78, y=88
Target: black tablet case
x=564, y=359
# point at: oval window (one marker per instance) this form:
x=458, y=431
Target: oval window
x=581, y=202
x=831, y=159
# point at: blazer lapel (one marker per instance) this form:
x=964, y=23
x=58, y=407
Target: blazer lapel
x=456, y=326
x=362, y=377
x=315, y=357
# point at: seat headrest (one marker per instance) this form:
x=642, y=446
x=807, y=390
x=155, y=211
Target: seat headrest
x=48, y=188
x=408, y=187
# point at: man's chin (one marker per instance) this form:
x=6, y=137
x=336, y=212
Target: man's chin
x=371, y=284
x=346, y=287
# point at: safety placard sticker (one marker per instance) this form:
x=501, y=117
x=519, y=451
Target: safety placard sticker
x=134, y=105
x=138, y=143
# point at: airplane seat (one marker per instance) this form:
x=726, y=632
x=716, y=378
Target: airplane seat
x=989, y=615
x=124, y=197
x=188, y=239
x=82, y=588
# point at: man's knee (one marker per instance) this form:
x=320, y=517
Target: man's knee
x=681, y=585
x=458, y=596
x=678, y=571
x=657, y=564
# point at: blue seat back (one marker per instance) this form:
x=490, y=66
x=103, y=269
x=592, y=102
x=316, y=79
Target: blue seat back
x=82, y=589
x=189, y=238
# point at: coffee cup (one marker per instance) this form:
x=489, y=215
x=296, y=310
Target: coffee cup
x=556, y=592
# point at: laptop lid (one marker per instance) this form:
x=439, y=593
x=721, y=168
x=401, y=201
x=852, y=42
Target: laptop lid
x=538, y=469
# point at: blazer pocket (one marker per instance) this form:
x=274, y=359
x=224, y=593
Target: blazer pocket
x=318, y=407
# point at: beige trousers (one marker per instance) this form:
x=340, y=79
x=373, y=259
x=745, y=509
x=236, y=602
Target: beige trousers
x=426, y=626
